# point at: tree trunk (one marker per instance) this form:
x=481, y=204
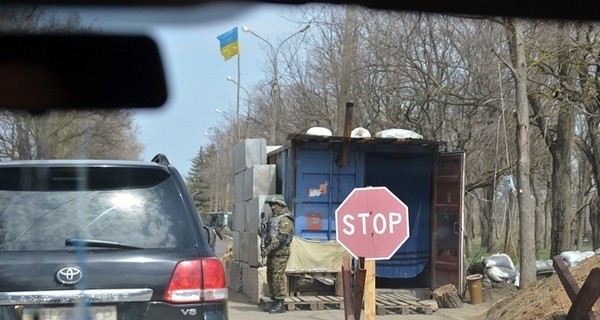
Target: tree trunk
x=548, y=218
x=562, y=150
x=595, y=221
x=488, y=221
x=509, y=247
x=539, y=219
x=524, y=194
x=447, y=297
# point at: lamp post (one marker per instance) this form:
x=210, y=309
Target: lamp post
x=239, y=86
x=275, y=97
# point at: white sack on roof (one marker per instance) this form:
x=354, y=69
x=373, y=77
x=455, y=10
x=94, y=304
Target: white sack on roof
x=319, y=131
x=360, y=132
x=398, y=134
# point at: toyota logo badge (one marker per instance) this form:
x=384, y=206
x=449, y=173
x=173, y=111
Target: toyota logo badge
x=69, y=275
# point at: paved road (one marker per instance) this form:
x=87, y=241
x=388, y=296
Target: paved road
x=241, y=309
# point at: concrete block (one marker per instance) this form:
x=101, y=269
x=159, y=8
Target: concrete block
x=234, y=275
x=237, y=244
x=254, y=207
x=254, y=258
x=239, y=216
x=244, y=247
x=255, y=282
x=248, y=153
x=259, y=180
x=238, y=188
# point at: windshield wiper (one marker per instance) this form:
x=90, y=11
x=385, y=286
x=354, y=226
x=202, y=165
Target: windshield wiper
x=74, y=242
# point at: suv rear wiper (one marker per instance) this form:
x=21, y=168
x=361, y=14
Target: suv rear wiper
x=75, y=242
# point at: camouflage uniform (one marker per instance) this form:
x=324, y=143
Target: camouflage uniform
x=278, y=251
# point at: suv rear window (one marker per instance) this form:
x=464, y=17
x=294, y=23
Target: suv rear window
x=40, y=208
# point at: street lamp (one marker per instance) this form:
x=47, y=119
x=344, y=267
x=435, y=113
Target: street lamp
x=237, y=107
x=275, y=97
x=239, y=86
x=230, y=79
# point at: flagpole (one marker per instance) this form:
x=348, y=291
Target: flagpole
x=237, y=111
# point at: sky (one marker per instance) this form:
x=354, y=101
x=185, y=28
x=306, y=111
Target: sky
x=197, y=72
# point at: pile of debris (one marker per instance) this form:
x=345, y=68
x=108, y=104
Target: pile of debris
x=544, y=299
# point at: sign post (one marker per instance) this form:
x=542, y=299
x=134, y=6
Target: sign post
x=372, y=224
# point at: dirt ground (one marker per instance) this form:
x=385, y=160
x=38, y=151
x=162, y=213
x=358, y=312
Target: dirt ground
x=543, y=299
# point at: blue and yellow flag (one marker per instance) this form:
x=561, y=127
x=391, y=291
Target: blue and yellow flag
x=229, y=43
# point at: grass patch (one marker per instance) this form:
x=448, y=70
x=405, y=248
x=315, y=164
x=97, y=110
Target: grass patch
x=477, y=252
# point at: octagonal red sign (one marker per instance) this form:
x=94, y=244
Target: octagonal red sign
x=372, y=223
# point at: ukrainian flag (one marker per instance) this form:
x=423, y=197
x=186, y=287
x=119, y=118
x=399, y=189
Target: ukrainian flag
x=229, y=43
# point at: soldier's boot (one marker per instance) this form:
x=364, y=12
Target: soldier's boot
x=278, y=307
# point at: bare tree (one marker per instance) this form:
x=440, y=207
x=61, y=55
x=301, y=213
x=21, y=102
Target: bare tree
x=525, y=195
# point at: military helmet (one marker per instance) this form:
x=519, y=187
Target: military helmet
x=277, y=198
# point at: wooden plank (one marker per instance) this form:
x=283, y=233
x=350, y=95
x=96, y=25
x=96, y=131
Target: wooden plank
x=562, y=271
x=386, y=303
x=569, y=284
x=359, y=287
x=310, y=301
x=370, y=291
x=381, y=309
x=347, y=291
x=325, y=302
x=412, y=303
x=290, y=302
x=587, y=296
x=265, y=303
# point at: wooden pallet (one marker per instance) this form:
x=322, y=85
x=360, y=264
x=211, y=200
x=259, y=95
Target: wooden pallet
x=400, y=303
x=307, y=302
x=385, y=303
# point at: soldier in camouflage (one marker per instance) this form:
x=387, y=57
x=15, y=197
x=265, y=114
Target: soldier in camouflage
x=278, y=251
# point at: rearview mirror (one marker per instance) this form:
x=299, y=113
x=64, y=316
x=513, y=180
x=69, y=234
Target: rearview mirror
x=80, y=71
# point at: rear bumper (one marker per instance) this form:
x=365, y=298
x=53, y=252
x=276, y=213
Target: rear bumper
x=206, y=311
x=147, y=311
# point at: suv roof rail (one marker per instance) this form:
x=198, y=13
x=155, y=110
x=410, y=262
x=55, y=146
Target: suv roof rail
x=160, y=159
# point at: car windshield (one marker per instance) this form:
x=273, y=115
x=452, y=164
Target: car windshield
x=141, y=216
x=310, y=101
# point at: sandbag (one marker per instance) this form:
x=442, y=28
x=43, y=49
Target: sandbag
x=319, y=131
x=544, y=266
x=398, y=134
x=501, y=274
x=499, y=260
x=360, y=132
x=573, y=258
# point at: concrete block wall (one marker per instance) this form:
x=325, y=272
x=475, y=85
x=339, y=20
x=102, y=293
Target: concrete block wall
x=254, y=207
x=248, y=153
x=258, y=180
x=255, y=284
x=254, y=181
x=234, y=275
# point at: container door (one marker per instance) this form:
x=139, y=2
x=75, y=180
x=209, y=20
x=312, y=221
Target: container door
x=320, y=188
x=447, y=220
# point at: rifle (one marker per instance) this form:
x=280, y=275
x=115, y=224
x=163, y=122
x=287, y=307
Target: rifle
x=264, y=232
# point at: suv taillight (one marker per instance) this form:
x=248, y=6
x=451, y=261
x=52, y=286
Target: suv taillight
x=197, y=281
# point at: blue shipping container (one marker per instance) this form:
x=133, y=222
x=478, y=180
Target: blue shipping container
x=309, y=177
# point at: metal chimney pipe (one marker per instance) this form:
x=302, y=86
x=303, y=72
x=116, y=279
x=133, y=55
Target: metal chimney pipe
x=342, y=161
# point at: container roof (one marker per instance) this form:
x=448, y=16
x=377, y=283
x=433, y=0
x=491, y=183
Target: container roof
x=374, y=140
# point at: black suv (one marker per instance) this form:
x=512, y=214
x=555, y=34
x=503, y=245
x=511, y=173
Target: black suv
x=104, y=240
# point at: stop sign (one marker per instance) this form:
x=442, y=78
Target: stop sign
x=372, y=223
